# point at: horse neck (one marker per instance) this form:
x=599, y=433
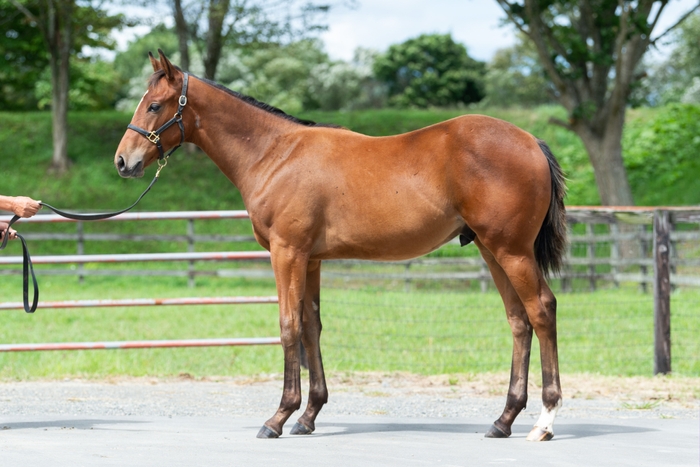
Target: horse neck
x=234, y=134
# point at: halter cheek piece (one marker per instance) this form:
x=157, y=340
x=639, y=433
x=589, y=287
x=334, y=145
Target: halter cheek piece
x=154, y=136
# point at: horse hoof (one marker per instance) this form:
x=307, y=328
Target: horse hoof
x=495, y=432
x=301, y=429
x=267, y=433
x=538, y=434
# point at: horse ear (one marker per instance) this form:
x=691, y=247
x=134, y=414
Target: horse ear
x=166, y=65
x=155, y=63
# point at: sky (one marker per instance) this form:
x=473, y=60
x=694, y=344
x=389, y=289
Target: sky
x=377, y=24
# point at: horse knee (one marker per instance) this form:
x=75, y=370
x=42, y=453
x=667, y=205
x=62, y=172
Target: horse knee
x=290, y=332
x=544, y=317
x=520, y=327
x=318, y=396
x=549, y=301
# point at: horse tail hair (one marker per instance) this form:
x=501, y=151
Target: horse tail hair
x=551, y=241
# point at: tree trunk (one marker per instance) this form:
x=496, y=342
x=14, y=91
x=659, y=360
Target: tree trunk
x=604, y=147
x=182, y=35
x=59, y=17
x=218, y=9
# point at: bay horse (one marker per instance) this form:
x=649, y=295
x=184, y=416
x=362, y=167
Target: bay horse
x=317, y=192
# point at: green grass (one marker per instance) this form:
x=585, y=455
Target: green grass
x=365, y=329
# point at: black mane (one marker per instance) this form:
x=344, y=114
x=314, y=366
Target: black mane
x=249, y=100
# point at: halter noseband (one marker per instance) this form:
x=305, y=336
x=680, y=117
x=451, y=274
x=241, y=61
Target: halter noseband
x=154, y=136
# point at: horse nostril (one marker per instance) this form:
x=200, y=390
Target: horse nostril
x=121, y=164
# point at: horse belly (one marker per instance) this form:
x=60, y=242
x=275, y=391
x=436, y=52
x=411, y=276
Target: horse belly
x=388, y=232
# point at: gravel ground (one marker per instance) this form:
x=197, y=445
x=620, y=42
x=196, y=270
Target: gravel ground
x=394, y=395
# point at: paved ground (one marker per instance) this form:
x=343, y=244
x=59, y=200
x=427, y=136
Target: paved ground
x=188, y=423
x=339, y=441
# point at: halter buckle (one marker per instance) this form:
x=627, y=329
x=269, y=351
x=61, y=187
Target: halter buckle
x=153, y=137
x=182, y=101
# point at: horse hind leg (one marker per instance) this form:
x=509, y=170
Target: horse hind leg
x=540, y=304
x=522, y=342
x=311, y=334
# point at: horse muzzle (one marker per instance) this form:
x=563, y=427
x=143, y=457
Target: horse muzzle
x=126, y=171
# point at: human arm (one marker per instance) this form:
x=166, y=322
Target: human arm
x=22, y=206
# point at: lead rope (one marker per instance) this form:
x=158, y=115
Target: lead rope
x=28, y=267
x=153, y=137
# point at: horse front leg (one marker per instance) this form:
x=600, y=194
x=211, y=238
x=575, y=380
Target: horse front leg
x=311, y=335
x=289, y=266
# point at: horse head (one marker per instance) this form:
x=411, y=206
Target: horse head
x=159, y=110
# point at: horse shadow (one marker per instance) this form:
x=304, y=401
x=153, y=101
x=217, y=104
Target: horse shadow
x=84, y=424
x=563, y=431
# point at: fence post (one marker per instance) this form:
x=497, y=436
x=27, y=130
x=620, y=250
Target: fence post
x=484, y=281
x=190, y=248
x=407, y=281
x=644, y=248
x=615, y=253
x=590, y=255
x=662, y=292
x=81, y=250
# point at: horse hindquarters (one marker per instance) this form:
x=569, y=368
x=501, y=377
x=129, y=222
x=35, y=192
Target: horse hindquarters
x=519, y=268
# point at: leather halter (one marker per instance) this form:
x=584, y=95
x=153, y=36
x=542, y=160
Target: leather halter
x=154, y=136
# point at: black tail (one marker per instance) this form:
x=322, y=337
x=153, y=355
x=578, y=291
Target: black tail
x=550, y=244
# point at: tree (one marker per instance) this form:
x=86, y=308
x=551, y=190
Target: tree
x=677, y=78
x=212, y=25
x=130, y=63
x=515, y=77
x=590, y=49
x=24, y=58
x=66, y=26
x=430, y=70
x=278, y=76
x=340, y=85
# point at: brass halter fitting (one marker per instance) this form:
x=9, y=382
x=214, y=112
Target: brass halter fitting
x=161, y=165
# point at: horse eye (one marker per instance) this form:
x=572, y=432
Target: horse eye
x=154, y=107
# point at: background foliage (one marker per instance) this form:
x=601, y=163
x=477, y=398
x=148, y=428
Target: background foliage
x=430, y=70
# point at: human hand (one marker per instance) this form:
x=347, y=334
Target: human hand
x=23, y=206
x=3, y=228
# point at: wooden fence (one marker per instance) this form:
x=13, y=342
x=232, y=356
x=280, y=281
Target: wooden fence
x=608, y=246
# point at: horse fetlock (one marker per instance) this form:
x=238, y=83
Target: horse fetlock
x=290, y=404
x=516, y=402
x=551, y=398
x=546, y=422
